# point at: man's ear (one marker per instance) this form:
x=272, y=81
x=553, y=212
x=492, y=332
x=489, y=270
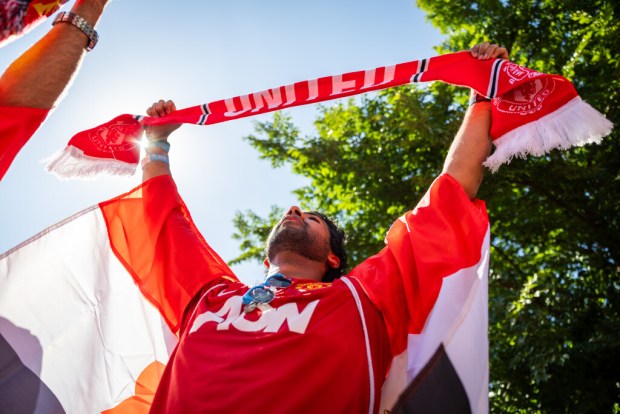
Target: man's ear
x=333, y=261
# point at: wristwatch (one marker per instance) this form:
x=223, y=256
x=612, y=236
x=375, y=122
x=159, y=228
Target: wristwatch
x=80, y=23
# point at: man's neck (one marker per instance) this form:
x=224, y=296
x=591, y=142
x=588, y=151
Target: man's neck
x=295, y=266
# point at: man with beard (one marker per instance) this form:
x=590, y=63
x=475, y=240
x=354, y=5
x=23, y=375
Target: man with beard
x=309, y=339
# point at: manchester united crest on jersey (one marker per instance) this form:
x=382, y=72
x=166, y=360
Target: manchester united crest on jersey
x=303, y=287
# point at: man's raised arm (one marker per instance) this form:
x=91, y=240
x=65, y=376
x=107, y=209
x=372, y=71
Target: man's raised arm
x=39, y=76
x=156, y=161
x=472, y=143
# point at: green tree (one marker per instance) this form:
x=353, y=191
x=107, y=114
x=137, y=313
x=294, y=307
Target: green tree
x=554, y=286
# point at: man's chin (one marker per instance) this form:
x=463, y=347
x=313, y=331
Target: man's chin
x=274, y=253
x=288, y=224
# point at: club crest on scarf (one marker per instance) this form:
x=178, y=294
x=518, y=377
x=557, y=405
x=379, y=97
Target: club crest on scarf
x=117, y=139
x=527, y=98
x=518, y=73
x=112, y=148
x=112, y=137
x=529, y=91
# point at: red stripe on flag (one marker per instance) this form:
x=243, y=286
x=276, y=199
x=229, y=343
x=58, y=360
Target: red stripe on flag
x=440, y=236
x=445, y=238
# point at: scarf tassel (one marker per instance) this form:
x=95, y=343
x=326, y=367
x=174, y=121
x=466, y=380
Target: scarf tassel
x=574, y=124
x=72, y=163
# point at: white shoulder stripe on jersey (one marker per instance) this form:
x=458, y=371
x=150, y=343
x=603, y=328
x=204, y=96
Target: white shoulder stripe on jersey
x=360, y=310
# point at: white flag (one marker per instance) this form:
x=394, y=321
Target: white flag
x=76, y=334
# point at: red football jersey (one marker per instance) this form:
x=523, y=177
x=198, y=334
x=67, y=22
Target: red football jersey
x=305, y=352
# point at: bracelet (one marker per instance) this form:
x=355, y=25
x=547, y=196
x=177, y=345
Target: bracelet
x=80, y=23
x=155, y=157
x=475, y=98
x=162, y=145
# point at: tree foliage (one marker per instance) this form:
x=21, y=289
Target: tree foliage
x=554, y=288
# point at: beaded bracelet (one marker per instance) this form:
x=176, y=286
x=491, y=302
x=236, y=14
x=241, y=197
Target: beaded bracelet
x=162, y=145
x=155, y=157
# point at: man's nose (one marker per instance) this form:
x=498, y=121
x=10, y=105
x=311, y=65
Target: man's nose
x=294, y=210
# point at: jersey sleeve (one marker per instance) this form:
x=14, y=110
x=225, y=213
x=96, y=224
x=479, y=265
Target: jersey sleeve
x=17, y=125
x=153, y=235
x=442, y=234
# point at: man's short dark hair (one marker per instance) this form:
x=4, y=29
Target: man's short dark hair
x=337, y=240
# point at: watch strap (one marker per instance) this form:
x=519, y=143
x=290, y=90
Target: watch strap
x=80, y=23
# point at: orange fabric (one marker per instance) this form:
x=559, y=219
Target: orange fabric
x=146, y=385
x=152, y=234
x=17, y=125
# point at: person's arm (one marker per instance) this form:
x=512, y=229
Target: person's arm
x=472, y=143
x=155, y=237
x=158, y=135
x=39, y=76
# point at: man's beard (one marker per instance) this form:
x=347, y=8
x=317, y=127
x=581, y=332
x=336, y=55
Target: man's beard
x=297, y=240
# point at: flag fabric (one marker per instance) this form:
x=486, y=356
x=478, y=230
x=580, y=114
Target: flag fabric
x=87, y=307
x=18, y=17
x=446, y=366
x=533, y=112
x=441, y=365
x=76, y=333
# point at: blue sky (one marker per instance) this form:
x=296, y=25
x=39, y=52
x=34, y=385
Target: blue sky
x=195, y=52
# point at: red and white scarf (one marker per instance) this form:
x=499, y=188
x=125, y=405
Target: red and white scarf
x=533, y=112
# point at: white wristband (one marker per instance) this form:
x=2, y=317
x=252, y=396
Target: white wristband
x=155, y=157
x=162, y=145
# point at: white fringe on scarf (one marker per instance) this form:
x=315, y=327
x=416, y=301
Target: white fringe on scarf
x=72, y=163
x=574, y=124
